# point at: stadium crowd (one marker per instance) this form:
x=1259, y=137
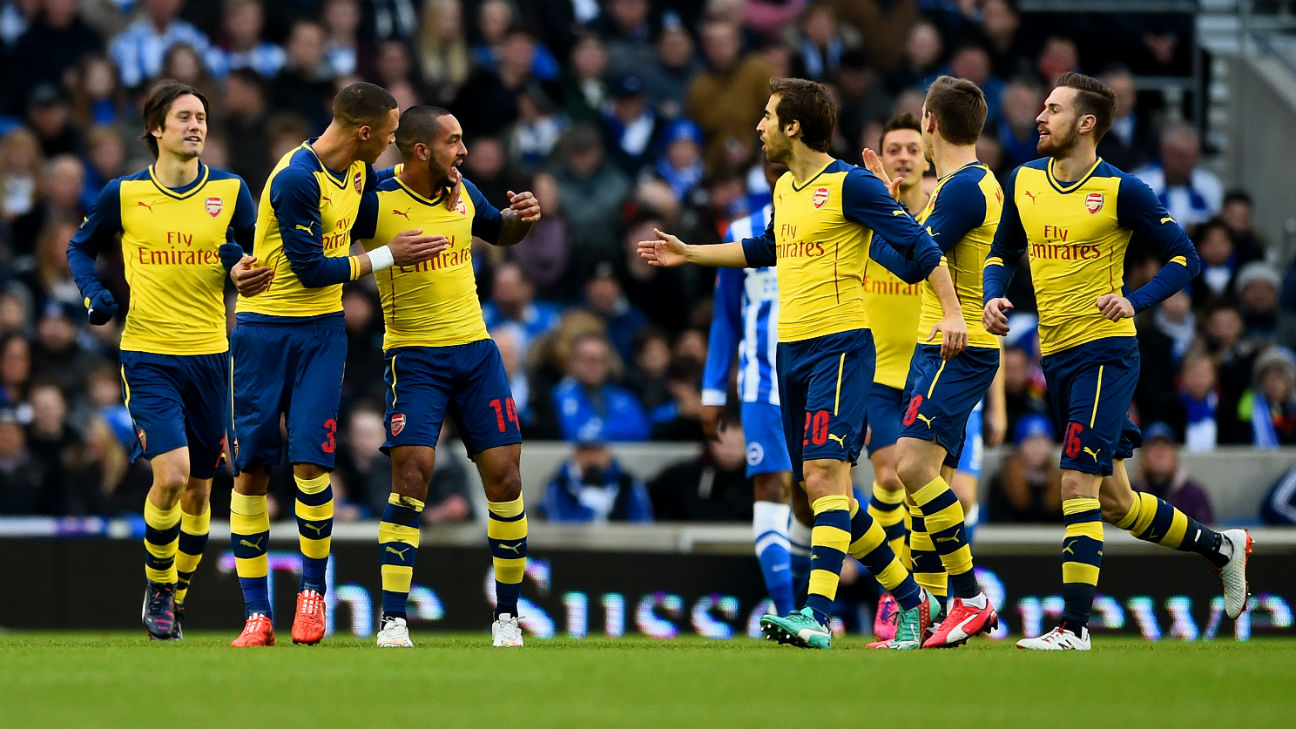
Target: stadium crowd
x=622, y=116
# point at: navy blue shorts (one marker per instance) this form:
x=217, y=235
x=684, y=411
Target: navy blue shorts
x=291, y=368
x=178, y=401
x=885, y=406
x=824, y=386
x=766, y=447
x=1091, y=387
x=942, y=394
x=467, y=381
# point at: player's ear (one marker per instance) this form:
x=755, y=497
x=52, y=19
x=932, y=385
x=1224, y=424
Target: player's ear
x=1087, y=123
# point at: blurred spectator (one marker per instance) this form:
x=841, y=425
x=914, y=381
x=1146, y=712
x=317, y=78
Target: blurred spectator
x=1009, y=48
x=591, y=487
x=105, y=161
x=346, y=54
x=1237, y=214
x=50, y=280
x=1191, y=194
x=863, y=97
x=538, y=127
x=364, y=363
x=1128, y=144
x=1029, y=487
x=1257, y=295
x=512, y=302
x=883, y=24
x=101, y=475
x=1270, y=405
x=442, y=51
x=56, y=354
x=54, y=42
x=48, y=435
x=15, y=376
x=15, y=309
x=971, y=61
x=680, y=419
x=923, y=52
x=508, y=339
x=1058, y=56
x=21, y=162
x=819, y=52
x=285, y=131
x=23, y=479
x=1023, y=386
x=304, y=85
x=644, y=283
x=363, y=473
x=244, y=121
x=605, y=299
x=395, y=68
x=546, y=253
x=631, y=128
x=1174, y=318
x=1234, y=357
x=652, y=359
x=184, y=63
x=1165, y=333
x=680, y=164
x=626, y=28
x=1219, y=263
x=1161, y=475
x=592, y=191
x=498, y=23
x=488, y=101
x=487, y=167
x=1022, y=101
x=672, y=69
x=50, y=116
x=728, y=97
x=97, y=93
x=1199, y=396
x=240, y=43
x=588, y=406
x=585, y=90
x=711, y=487
x=138, y=50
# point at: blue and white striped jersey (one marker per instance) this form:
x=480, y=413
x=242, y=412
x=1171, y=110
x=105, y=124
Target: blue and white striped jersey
x=745, y=320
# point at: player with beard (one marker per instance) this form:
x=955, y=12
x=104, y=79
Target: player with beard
x=1073, y=215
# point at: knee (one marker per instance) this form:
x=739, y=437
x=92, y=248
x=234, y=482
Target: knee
x=912, y=473
x=821, y=480
x=308, y=471
x=171, y=478
x=888, y=478
x=1077, y=485
x=770, y=487
x=196, y=493
x=503, y=485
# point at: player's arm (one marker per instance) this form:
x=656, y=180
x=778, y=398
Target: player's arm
x=505, y=227
x=1001, y=263
x=667, y=251
x=722, y=345
x=97, y=230
x=1138, y=209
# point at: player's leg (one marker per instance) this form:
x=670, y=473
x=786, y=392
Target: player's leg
x=483, y=408
x=1156, y=520
x=771, y=474
x=195, y=526
x=398, y=533
x=318, y=355
x=886, y=503
x=258, y=367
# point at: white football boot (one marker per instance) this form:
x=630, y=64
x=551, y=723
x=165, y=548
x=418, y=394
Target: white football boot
x=394, y=634
x=1233, y=573
x=506, y=632
x=1057, y=639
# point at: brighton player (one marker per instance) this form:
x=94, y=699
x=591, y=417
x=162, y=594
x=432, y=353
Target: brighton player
x=441, y=361
x=744, y=323
x=182, y=225
x=288, y=348
x=1074, y=214
x=821, y=236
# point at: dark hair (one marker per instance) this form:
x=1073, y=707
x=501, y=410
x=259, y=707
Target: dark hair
x=959, y=107
x=362, y=103
x=809, y=103
x=417, y=126
x=249, y=77
x=898, y=122
x=158, y=105
x=1239, y=195
x=1093, y=97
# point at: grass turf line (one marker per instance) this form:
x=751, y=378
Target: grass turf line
x=122, y=680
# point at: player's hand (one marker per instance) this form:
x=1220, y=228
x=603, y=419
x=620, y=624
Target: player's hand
x=713, y=421
x=525, y=205
x=251, y=280
x=455, y=189
x=1115, y=307
x=100, y=308
x=874, y=165
x=953, y=331
x=667, y=251
x=996, y=426
x=230, y=254
x=412, y=247
x=995, y=316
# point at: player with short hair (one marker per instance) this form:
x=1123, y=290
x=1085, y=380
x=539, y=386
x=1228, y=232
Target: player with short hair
x=744, y=323
x=822, y=237
x=1074, y=215
x=182, y=225
x=441, y=361
x=288, y=348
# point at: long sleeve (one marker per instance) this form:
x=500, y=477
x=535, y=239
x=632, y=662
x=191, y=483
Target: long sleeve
x=1007, y=249
x=294, y=196
x=726, y=332
x=762, y=251
x=866, y=200
x=1138, y=209
x=487, y=221
x=243, y=225
x=96, y=231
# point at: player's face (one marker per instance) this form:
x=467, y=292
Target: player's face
x=375, y=140
x=1058, y=124
x=184, y=133
x=773, y=141
x=902, y=156
x=446, y=149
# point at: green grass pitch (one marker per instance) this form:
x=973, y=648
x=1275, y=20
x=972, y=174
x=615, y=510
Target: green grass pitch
x=121, y=680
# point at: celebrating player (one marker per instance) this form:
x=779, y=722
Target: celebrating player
x=1074, y=215
x=289, y=345
x=961, y=216
x=746, y=312
x=821, y=236
x=441, y=360
x=182, y=226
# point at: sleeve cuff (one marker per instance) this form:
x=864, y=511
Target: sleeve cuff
x=713, y=397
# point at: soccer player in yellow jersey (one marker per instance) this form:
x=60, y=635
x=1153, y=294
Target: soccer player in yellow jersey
x=288, y=349
x=822, y=238
x=182, y=226
x=441, y=360
x=1073, y=215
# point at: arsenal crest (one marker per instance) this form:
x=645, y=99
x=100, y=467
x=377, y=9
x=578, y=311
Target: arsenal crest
x=214, y=206
x=397, y=423
x=820, y=197
x=357, y=182
x=1094, y=202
